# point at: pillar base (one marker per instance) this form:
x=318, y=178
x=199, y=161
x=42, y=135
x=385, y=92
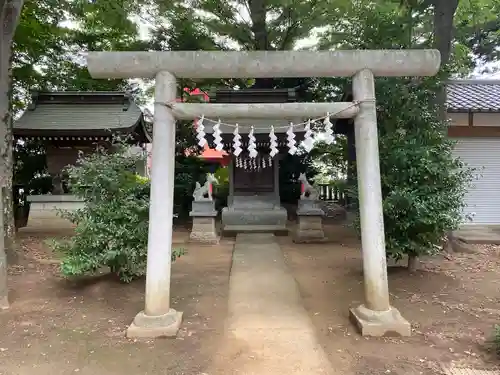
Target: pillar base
x=145, y=326
x=379, y=323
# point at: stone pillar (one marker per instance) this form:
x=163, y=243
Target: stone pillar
x=158, y=319
x=204, y=214
x=376, y=317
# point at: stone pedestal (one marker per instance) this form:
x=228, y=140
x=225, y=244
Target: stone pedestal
x=204, y=214
x=146, y=326
x=44, y=210
x=310, y=223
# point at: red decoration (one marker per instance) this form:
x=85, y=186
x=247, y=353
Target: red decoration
x=209, y=154
x=302, y=188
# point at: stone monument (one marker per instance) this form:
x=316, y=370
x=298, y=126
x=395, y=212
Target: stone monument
x=203, y=213
x=309, y=214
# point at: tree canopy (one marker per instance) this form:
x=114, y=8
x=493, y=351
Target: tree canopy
x=52, y=35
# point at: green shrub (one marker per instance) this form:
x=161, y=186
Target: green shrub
x=423, y=184
x=112, y=228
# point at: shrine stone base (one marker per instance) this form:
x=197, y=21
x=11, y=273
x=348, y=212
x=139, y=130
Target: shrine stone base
x=380, y=323
x=145, y=326
x=310, y=223
x=44, y=210
x=254, y=214
x=204, y=230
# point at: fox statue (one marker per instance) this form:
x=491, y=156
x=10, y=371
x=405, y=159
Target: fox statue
x=200, y=191
x=307, y=191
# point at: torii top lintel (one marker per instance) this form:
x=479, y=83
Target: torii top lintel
x=264, y=64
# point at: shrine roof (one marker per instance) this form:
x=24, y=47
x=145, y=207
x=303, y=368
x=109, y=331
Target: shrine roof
x=478, y=95
x=79, y=113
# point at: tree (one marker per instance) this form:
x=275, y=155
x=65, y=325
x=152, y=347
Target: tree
x=477, y=27
x=9, y=18
x=47, y=56
x=255, y=25
x=333, y=158
x=423, y=184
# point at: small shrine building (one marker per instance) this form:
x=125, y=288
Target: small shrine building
x=71, y=122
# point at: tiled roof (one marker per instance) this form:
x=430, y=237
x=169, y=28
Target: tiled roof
x=474, y=95
x=90, y=115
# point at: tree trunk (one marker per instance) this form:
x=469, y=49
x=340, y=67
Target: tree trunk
x=444, y=13
x=10, y=11
x=412, y=263
x=258, y=14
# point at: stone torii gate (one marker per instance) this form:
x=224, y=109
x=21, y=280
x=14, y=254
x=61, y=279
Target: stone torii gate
x=376, y=316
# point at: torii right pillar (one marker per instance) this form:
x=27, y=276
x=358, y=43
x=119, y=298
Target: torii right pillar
x=376, y=317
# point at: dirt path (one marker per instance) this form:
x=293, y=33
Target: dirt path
x=55, y=327
x=452, y=303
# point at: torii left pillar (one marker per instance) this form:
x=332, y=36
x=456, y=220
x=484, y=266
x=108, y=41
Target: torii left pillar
x=158, y=319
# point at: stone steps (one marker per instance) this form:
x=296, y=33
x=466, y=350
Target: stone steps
x=232, y=230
